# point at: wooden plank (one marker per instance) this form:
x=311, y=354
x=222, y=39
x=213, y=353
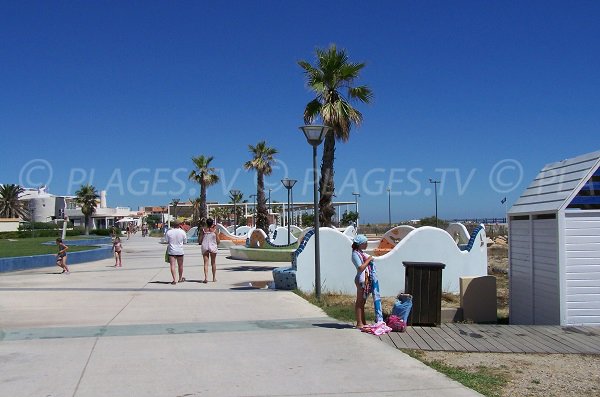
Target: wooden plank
x=407, y=340
x=477, y=332
x=560, y=343
x=465, y=333
x=517, y=341
x=386, y=338
x=492, y=335
x=550, y=346
x=498, y=338
x=561, y=336
x=594, y=331
x=433, y=345
x=410, y=331
x=507, y=340
x=586, y=344
x=452, y=332
x=444, y=339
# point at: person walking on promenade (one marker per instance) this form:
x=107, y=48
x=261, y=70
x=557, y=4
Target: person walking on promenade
x=209, y=240
x=117, y=248
x=61, y=257
x=176, y=238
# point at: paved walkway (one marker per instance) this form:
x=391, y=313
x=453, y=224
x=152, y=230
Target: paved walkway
x=103, y=331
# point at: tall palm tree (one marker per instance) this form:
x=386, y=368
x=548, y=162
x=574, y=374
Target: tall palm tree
x=10, y=205
x=87, y=197
x=196, y=205
x=220, y=213
x=236, y=199
x=262, y=160
x=332, y=74
x=205, y=176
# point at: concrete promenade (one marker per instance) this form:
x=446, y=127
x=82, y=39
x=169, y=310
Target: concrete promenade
x=102, y=331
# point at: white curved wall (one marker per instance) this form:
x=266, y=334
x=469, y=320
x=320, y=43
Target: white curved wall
x=459, y=233
x=425, y=244
x=282, y=233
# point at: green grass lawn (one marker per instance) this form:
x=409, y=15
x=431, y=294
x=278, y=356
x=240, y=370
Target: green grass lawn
x=33, y=246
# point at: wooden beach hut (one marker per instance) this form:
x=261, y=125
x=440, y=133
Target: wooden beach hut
x=554, y=246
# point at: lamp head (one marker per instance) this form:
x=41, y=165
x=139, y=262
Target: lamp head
x=315, y=133
x=288, y=183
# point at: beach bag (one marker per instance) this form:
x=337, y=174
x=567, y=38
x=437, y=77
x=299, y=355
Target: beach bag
x=402, y=307
x=396, y=323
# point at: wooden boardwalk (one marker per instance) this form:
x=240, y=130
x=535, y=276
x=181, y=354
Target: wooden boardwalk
x=498, y=339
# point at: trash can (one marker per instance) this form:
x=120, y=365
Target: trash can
x=423, y=280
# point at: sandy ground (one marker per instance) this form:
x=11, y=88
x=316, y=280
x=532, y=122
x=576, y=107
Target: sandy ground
x=533, y=374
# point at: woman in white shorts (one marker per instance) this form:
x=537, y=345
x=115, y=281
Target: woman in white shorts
x=209, y=240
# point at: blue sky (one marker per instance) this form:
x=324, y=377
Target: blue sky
x=479, y=95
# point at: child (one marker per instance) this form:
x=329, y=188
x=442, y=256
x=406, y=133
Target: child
x=117, y=247
x=61, y=257
x=366, y=282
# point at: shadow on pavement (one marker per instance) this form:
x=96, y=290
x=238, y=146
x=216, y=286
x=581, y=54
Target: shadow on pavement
x=251, y=269
x=333, y=325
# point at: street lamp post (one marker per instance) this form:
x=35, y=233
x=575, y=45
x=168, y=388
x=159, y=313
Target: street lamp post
x=270, y=201
x=356, y=196
x=175, y=202
x=389, y=190
x=314, y=135
x=288, y=184
x=435, y=183
x=32, y=213
x=234, y=196
x=254, y=211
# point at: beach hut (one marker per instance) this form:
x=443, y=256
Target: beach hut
x=554, y=246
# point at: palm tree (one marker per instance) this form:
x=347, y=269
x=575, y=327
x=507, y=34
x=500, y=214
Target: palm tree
x=196, y=205
x=220, y=213
x=205, y=176
x=262, y=160
x=333, y=73
x=236, y=199
x=87, y=197
x=10, y=205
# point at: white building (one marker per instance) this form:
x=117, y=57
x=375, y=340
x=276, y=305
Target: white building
x=44, y=207
x=554, y=246
x=104, y=216
x=47, y=207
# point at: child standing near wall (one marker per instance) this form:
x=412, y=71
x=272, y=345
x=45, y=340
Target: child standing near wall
x=366, y=282
x=61, y=257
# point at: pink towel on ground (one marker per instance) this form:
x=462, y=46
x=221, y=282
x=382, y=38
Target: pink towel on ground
x=379, y=328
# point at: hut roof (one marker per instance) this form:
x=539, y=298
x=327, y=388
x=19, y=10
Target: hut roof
x=556, y=185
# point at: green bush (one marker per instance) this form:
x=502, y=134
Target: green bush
x=38, y=226
x=40, y=233
x=105, y=232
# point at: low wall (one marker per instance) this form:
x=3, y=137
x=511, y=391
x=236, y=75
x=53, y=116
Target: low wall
x=37, y=261
x=89, y=241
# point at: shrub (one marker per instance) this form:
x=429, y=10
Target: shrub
x=104, y=232
x=26, y=226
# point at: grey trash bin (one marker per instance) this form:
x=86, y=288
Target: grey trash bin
x=423, y=280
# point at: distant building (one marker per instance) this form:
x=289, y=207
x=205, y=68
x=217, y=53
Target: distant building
x=44, y=207
x=104, y=216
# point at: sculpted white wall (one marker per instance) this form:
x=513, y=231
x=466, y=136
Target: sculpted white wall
x=281, y=237
x=425, y=244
